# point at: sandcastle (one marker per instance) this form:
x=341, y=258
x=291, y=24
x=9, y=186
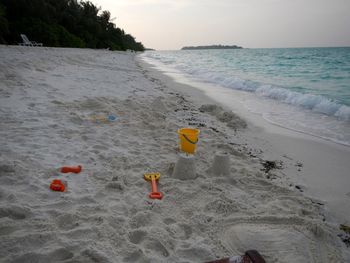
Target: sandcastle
x=185, y=167
x=221, y=164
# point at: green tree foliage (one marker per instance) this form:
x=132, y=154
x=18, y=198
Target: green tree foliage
x=62, y=23
x=3, y=24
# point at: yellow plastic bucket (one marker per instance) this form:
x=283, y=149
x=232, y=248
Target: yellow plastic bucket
x=188, y=139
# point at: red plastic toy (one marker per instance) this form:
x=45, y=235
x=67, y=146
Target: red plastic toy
x=57, y=185
x=153, y=177
x=71, y=169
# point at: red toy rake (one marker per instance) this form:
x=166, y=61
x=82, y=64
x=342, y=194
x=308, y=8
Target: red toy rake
x=153, y=177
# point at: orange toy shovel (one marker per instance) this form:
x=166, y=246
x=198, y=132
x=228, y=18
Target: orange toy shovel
x=71, y=169
x=153, y=177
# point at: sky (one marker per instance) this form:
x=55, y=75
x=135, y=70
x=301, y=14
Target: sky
x=172, y=24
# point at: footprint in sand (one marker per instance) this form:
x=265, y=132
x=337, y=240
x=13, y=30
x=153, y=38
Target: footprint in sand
x=169, y=221
x=225, y=180
x=141, y=219
x=135, y=256
x=6, y=230
x=5, y=168
x=115, y=186
x=100, y=147
x=58, y=255
x=14, y=212
x=195, y=254
x=179, y=231
x=157, y=247
x=137, y=236
x=224, y=207
x=94, y=256
x=68, y=221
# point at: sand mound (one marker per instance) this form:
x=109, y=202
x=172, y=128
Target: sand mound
x=232, y=120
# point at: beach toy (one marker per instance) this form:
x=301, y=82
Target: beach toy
x=111, y=117
x=188, y=139
x=103, y=118
x=250, y=256
x=153, y=177
x=71, y=169
x=57, y=185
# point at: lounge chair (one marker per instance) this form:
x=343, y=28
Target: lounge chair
x=26, y=42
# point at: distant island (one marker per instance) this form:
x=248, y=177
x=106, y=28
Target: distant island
x=212, y=47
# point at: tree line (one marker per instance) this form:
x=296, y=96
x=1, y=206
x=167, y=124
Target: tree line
x=62, y=23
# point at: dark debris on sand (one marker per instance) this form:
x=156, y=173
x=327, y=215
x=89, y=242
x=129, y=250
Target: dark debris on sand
x=345, y=236
x=270, y=165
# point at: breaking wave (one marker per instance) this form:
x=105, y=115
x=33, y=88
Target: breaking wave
x=315, y=103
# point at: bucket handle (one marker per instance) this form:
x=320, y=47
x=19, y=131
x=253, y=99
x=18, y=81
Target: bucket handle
x=189, y=139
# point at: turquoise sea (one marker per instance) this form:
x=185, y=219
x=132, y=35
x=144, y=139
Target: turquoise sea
x=311, y=86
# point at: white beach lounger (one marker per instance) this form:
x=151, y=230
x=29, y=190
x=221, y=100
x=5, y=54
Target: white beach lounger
x=26, y=42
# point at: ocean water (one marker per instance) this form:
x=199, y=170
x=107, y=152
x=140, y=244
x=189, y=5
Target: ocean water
x=304, y=89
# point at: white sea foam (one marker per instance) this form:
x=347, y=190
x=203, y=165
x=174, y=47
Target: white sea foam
x=315, y=103
x=312, y=102
x=296, y=109
x=343, y=112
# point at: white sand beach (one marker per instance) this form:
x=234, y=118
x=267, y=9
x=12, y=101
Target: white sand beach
x=53, y=106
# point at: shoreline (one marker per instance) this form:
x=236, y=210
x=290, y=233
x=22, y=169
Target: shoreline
x=54, y=104
x=316, y=115
x=294, y=148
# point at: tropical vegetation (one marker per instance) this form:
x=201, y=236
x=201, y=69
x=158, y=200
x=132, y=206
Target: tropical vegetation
x=62, y=23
